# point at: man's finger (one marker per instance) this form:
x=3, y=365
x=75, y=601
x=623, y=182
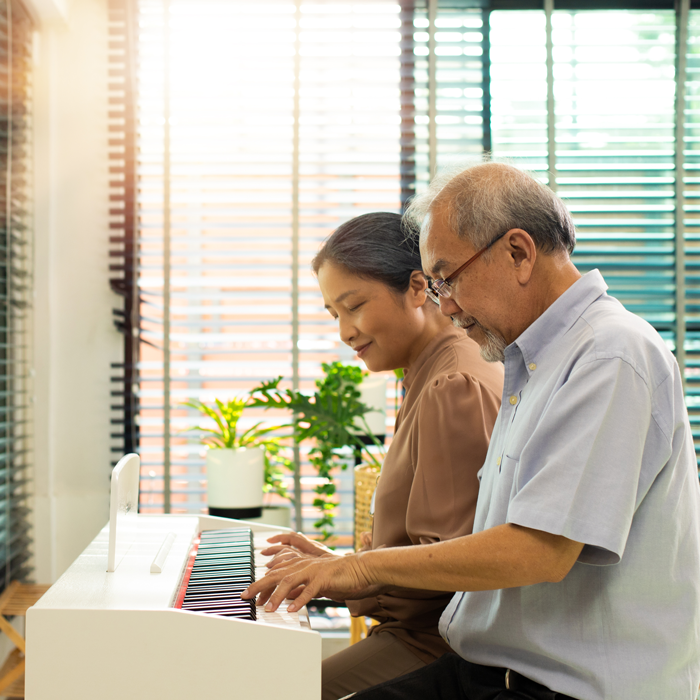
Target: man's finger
x=263, y=597
x=266, y=583
x=284, y=587
x=258, y=587
x=281, y=559
x=304, y=597
x=295, y=593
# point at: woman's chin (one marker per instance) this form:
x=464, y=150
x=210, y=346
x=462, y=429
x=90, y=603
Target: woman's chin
x=376, y=366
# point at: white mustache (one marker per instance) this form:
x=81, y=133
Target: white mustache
x=464, y=322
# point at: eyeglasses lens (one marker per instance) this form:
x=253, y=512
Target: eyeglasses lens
x=442, y=288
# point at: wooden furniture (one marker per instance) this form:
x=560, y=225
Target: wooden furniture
x=366, y=477
x=14, y=601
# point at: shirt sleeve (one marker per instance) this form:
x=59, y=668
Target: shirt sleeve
x=454, y=424
x=579, y=473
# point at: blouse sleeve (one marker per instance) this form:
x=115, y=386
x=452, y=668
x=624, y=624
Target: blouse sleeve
x=454, y=423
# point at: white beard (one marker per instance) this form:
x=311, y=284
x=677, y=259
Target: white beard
x=493, y=348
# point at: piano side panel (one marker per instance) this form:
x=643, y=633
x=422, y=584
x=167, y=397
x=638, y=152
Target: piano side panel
x=147, y=654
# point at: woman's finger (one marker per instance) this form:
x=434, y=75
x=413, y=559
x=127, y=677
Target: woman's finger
x=300, y=542
x=278, y=549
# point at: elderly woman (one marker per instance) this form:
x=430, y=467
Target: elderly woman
x=369, y=271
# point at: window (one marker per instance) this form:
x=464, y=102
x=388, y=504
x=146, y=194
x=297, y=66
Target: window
x=262, y=126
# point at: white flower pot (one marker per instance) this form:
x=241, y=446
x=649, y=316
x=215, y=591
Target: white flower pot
x=235, y=482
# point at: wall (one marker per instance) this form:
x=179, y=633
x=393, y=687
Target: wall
x=74, y=339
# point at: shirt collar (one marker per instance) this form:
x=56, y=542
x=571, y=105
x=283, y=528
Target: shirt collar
x=559, y=317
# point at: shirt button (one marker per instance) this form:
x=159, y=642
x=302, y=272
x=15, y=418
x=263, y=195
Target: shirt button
x=532, y=366
x=513, y=400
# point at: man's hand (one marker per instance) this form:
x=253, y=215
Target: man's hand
x=505, y=556
x=339, y=578
x=293, y=545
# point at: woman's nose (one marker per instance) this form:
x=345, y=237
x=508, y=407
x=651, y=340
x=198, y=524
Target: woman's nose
x=348, y=332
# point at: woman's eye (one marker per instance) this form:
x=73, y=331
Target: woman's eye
x=355, y=308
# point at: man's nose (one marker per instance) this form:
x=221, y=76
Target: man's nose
x=448, y=306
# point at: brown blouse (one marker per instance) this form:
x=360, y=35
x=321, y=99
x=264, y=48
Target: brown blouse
x=428, y=486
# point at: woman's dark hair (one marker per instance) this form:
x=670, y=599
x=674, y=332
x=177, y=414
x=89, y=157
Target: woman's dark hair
x=377, y=246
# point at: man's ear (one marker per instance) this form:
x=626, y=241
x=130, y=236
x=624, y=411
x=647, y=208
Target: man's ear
x=416, y=288
x=522, y=252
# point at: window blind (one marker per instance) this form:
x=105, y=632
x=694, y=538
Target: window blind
x=614, y=120
x=15, y=289
x=690, y=262
x=614, y=149
x=123, y=59
x=261, y=128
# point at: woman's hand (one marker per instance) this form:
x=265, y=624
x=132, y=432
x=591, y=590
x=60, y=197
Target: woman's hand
x=293, y=545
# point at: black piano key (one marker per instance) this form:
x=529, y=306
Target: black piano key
x=221, y=581
x=232, y=536
x=224, y=555
x=223, y=564
x=220, y=585
x=223, y=568
x=215, y=580
x=214, y=604
x=233, y=598
x=231, y=592
x=215, y=595
x=240, y=615
x=215, y=544
x=221, y=573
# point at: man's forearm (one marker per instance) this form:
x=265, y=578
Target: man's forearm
x=502, y=557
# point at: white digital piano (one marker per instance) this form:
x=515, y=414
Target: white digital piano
x=152, y=610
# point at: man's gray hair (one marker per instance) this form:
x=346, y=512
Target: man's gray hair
x=483, y=200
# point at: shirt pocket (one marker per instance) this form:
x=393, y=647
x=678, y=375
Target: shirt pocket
x=502, y=491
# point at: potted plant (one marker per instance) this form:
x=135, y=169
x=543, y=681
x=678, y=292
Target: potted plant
x=241, y=466
x=334, y=419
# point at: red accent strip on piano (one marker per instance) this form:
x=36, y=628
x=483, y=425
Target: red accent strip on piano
x=188, y=572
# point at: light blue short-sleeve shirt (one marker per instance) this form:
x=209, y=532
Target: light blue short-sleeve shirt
x=593, y=443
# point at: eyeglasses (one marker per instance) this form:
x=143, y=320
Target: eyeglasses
x=443, y=288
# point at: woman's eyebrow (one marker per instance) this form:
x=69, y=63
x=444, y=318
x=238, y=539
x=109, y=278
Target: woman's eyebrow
x=340, y=298
x=345, y=294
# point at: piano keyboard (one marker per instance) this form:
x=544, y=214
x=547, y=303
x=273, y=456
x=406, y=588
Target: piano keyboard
x=220, y=566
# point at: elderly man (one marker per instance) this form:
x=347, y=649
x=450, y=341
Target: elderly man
x=582, y=577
